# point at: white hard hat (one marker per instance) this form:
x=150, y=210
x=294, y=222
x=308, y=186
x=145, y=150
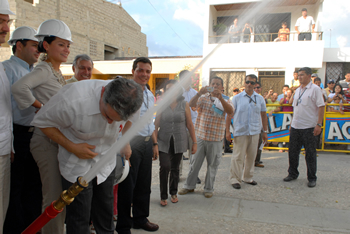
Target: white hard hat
x=121, y=170
x=22, y=33
x=5, y=8
x=54, y=27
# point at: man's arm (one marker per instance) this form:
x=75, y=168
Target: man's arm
x=318, y=129
x=264, y=123
x=227, y=126
x=296, y=29
x=194, y=100
x=126, y=151
x=82, y=150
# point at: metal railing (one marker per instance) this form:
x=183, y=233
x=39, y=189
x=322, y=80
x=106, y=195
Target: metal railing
x=262, y=37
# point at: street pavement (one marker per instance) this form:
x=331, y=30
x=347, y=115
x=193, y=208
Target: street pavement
x=272, y=206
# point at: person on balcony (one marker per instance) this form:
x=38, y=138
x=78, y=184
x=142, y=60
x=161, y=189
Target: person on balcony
x=304, y=26
x=235, y=32
x=246, y=32
x=283, y=33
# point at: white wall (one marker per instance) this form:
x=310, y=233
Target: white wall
x=337, y=54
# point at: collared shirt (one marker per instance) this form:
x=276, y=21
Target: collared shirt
x=305, y=25
x=75, y=110
x=148, y=103
x=5, y=114
x=305, y=105
x=72, y=80
x=188, y=95
x=210, y=126
x=15, y=69
x=247, y=118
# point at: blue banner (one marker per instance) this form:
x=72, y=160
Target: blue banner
x=337, y=129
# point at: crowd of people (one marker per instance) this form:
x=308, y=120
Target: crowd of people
x=54, y=130
x=304, y=27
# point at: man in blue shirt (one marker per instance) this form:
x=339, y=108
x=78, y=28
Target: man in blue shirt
x=249, y=115
x=136, y=188
x=25, y=192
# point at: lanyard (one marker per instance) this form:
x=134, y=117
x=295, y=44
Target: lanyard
x=147, y=99
x=251, y=99
x=300, y=95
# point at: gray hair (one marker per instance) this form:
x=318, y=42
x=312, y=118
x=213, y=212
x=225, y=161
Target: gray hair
x=83, y=57
x=124, y=96
x=307, y=70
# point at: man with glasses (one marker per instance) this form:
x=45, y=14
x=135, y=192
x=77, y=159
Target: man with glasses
x=330, y=87
x=248, y=120
x=212, y=107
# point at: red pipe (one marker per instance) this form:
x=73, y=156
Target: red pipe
x=49, y=213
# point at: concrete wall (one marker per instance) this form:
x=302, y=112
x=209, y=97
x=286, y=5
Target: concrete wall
x=94, y=24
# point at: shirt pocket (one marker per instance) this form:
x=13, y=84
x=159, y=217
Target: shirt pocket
x=87, y=127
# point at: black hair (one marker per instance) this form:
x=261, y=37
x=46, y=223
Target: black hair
x=173, y=82
x=252, y=76
x=284, y=23
x=307, y=70
x=304, y=9
x=142, y=60
x=14, y=47
x=258, y=83
x=286, y=86
x=317, y=79
x=217, y=78
x=341, y=88
x=41, y=48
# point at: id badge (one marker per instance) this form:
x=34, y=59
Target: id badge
x=299, y=101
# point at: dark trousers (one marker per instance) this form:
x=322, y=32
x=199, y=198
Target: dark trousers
x=169, y=162
x=25, y=191
x=136, y=188
x=306, y=36
x=95, y=202
x=298, y=138
x=227, y=143
x=258, y=154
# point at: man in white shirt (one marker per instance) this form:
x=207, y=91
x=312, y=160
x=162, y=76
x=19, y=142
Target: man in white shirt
x=5, y=120
x=85, y=119
x=304, y=26
x=82, y=68
x=306, y=125
x=25, y=193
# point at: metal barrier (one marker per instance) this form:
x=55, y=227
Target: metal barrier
x=335, y=128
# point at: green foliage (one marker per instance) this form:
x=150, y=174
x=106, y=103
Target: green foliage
x=220, y=29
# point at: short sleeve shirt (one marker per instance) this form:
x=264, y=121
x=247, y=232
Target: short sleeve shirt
x=305, y=24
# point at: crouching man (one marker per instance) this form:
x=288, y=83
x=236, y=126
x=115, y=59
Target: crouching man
x=85, y=120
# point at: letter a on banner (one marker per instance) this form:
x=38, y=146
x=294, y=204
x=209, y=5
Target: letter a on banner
x=334, y=131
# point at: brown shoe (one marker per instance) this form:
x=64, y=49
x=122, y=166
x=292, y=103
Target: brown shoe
x=148, y=226
x=259, y=165
x=185, y=191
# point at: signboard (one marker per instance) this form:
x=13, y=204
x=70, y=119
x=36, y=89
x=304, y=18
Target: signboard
x=337, y=128
x=278, y=130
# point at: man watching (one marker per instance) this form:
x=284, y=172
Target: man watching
x=82, y=68
x=212, y=107
x=6, y=119
x=248, y=120
x=304, y=26
x=294, y=84
x=313, y=77
x=308, y=107
x=329, y=89
x=136, y=188
x=25, y=193
x=284, y=90
x=273, y=100
x=85, y=134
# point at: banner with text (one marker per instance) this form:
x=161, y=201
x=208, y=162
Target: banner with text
x=278, y=130
x=337, y=128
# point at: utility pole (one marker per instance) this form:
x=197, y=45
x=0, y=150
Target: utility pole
x=330, y=37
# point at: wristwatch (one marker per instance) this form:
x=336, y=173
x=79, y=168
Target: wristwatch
x=155, y=143
x=264, y=131
x=319, y=125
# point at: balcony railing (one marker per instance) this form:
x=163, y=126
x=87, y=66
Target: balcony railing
x=261, y=37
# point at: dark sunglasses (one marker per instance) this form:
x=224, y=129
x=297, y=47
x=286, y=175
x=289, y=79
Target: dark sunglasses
x=236, y=90
x=250, y=82
x=257, y=87
x=331, y=83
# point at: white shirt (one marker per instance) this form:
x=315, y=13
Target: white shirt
x=75, y=110
x=188, y=95
x=5, y=114
x=148, y=103
x=305, y=106
x=305, y=25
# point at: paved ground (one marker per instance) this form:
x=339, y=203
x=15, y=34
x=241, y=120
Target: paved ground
x=273, y=206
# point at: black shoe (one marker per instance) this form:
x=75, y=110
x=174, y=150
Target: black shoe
x=236, y=186
x=198, y=180
x=261, y=162
x=289, y=178
x=311, y=184
x=252, y=183
x=148, y=226
x=228, y=151
x=184, y=158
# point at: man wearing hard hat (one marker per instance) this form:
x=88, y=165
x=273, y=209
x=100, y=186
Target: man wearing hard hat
x=5, y=119
x=25, y=192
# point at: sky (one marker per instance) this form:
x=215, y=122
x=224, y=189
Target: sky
x=175, y=27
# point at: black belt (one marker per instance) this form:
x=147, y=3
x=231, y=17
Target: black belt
x=146, y=138
x=21, y=128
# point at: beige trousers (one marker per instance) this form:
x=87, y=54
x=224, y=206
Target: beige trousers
x=45, y=152
x=243, y=158
x=5, y=169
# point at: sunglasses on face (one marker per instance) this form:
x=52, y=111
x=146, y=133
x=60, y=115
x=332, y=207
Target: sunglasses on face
x=257, y=87
x=236, y=90
x=250, y=82
x=331, y=83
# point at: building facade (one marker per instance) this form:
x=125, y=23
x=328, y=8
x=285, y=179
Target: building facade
x=99, y=28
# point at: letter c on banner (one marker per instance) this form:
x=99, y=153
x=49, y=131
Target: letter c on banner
x=344, y=130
